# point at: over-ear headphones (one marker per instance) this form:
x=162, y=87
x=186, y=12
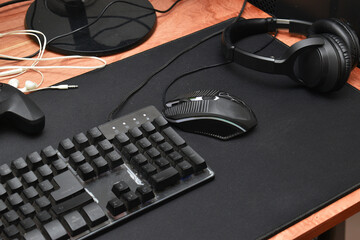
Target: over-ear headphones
x=323, y=61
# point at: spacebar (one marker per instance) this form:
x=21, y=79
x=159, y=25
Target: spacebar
x=73, y=203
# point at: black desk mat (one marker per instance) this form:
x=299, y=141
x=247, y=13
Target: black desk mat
x=303, y=154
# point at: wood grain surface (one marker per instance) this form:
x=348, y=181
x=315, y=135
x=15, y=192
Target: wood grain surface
x=187, y=17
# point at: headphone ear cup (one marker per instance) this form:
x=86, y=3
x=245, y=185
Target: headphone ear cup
x=342, y=30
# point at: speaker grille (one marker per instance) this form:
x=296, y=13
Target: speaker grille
x=268, y=6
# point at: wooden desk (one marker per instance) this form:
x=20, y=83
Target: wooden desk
x=187, y=17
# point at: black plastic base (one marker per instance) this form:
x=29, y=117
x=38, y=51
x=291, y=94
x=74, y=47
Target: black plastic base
x=121, y=27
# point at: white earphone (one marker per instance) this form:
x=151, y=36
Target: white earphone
x=32, y=87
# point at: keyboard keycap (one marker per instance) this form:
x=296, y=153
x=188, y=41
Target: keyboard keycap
x=166, y=147
x=14, y=201
x=100, y=165
x=148, y=127
x=153, y=153
x=148, y=169
x=30, y=194
x=114, y=159
x=3, y=193
x=43, y=217
x=14, y=185
x=5, y=173
x=131, y=200
x=55, y=230
x=130, y=150
x=59, y=166
x=45, y=187
x=3, y=207
x=164, y=178
x=175, y=157
x=174, y=137
x=93, y=214
x=19, y=166
x=72, y=204
x=11, y=232
x=94, y=135
x=34, y=160
x=27, y=224
x=139, y=160
x=69, y=186
x=105, y=147
x=66, y=147
x=74, y=223
x=49, y=154
x=120, y=188
x=27, y=210
x=86, y=171
x=157, y=138
x=121, y=140
x=76, y=159
x=90, y=153
x=162, y=163
x=42, y=203
x=135, y=133
x=144, y=144
x=45, y=172
x=185, y=168
x=11, y=217
x=195, y=159
x=34, y=235
x=30, y=179
x=145, y=193
x=81, y=141
x=116, y=206
x=160, y=122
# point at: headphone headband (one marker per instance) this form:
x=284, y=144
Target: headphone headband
x=245, y=28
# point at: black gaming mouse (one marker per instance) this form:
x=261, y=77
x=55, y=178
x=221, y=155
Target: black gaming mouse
x=210, y=112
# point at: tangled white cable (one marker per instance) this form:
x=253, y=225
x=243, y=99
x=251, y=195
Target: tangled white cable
x=14, y=71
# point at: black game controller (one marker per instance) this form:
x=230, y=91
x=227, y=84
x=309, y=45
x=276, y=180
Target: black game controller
x=19, y=110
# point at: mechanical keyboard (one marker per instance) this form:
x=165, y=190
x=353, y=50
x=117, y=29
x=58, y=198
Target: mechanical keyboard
x=97, y=179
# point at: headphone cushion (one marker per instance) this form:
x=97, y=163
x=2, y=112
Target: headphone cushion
x=346, y=68
x=342, y=30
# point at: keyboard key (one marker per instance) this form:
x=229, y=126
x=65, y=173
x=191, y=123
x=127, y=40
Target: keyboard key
x=14, y=201
x=45, y=172
x=121, y=140
x=14, y=185
x=130, y=150
x=174, y=137
x=185, y=168
x=34, y=235
x=153, y=153
x=93, y=214
x=27, y=224
x=11, y=217
x=1, y=225
x=135, y=133
x=81, y=141
x=131, y=200
x=105, y=147
x=45, y=187
x=30, y=194
x=49, y=154
x=74, y=223
x=76, y=159
x=100, y=165
x=34, y=160
x=162, y=163
x=59, y=166
x=116, y=206
x=148, y=169
x=55, y=230
x=11, y=232
x=27, y=210
x=42, y=203
x=145, y=193
x=139, y=160
x=5, y=173
x=194, y=158
x=19, y=166
x=86, y=171
x=143, y=143
x=120, y=188
x=43, y=217
x=164, y=178
x=160, y=122
x=166, y=147
x=94, y=135
x=175, y=157
x=90, y=153
x=69, y=186
x=114, y=159
x=72, y=204
x=30, y=179
x=3, y=193
x=157, y=138
x=66, y=147
x=148, y=128
x=3, y=207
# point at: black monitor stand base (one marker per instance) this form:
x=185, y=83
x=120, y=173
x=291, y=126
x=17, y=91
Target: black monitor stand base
x=122, y=26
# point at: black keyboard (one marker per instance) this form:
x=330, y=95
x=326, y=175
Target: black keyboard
x=97, y=179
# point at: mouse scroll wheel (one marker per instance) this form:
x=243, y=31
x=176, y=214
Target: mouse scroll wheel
x=208, y=97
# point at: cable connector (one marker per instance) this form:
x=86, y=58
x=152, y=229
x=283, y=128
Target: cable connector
x=64, y=87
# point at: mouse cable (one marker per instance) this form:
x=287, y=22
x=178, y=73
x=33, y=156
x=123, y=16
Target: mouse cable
x=11, y=2
x=209, y=67
x=93, y=22
x=142, y=84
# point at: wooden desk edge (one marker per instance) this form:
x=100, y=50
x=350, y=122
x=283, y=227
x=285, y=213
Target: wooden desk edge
x=311, y=226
